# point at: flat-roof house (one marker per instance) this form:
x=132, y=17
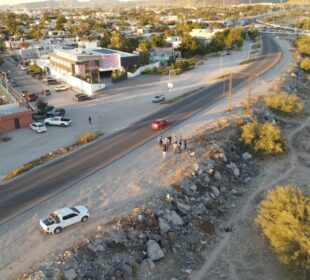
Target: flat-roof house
x=82, y=62
x=14, y=116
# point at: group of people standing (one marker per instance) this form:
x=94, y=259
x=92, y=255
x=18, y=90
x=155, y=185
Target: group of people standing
x=179, y=144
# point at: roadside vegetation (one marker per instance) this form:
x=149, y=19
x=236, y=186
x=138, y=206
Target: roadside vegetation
x=303, y=44
x=284, y=217
x=263, y=138
x=305, y=64
x=177, y=98
x=82, y=140
x=284, y=103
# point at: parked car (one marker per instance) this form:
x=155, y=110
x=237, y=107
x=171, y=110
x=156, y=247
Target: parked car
x=23, y=68
x=62, y=218
x=32, y=97
x=13, y=84
x=57, y=121
x=159, y=124
x=46, y=92
x=81, y=97
x=61, y=88
x=158, y=98
x=55, y=112
x=38, y=127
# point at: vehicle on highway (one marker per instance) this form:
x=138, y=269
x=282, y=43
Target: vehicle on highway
x=38, y=127
x=46, y=92
x=23, y=68
x=32, y=97
x=50, y=81
x=53, y=112
x=81, y=97
x=61, y=88
x=24, y=92
x=57, y=121
x=159, y=124
x=13, y=84
x=62, y=218
x=158, y=98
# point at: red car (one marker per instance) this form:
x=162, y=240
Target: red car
x=159, y=124
x=32, y=97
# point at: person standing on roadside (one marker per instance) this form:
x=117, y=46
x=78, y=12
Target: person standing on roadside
x=160, y=140
x=165, y=149
x=89, y=119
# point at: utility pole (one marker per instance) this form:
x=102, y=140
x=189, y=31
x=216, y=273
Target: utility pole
x=249, y=105
x=230, y=92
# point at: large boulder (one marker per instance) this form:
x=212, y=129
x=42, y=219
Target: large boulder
x=215, y=191
x=246, y=156
x=234, y=169
x=183, y=208
x=70, y=274
x=163, y=225
x=173, y=218
x=154, y=251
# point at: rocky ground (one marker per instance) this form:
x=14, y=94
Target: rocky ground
x=202, y=225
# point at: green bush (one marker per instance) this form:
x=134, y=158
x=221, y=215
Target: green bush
x=284, y=217
x=284, y=103
x=181, y=64
x=263, y=138
x=35, y=69
x=305, y=64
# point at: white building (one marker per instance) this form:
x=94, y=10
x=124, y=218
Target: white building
x=174, y=41
x=204, y=34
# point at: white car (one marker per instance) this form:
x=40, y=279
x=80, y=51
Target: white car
x=38, y=127
x=63, y=218
x=158, y=98
x=61, y=88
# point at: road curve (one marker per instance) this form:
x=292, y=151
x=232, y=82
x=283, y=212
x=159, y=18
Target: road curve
x=36, y=186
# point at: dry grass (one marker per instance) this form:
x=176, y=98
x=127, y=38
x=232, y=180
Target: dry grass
x=82, y=140
x=177, y=98
x=247, y=61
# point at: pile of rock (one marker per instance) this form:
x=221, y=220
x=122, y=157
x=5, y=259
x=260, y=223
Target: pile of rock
x=165, y=237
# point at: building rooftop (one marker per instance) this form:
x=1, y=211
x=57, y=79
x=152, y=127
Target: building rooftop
x=9, y=109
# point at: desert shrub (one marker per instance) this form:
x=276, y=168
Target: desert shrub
x=303, y=44
x=263, y=138
x=305, y=64
x=284, y=217
x=88, y=137
x=284, y=103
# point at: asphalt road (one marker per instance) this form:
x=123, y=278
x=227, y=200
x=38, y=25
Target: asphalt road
x=36, y=186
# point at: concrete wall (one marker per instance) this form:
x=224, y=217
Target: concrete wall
x=141, y=69
x=75, y=82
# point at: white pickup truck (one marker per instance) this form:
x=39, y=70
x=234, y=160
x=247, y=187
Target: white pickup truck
x=58, y=121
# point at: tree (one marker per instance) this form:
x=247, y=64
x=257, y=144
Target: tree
x=35, y=33
x=144, y=46
x=191, y=46
x=305, y=64
x=284, y=217
x=253, y=32
x=234, y=37
x=117, y=41
x=41, y=106
x=181, y=64
x=263, y=138
x=158, y=42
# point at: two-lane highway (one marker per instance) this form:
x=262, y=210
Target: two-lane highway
x=21, y=193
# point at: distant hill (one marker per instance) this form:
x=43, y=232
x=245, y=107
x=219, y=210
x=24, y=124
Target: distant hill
x=54, y=4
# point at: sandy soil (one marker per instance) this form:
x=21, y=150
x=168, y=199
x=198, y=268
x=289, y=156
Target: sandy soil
x=116, y=189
